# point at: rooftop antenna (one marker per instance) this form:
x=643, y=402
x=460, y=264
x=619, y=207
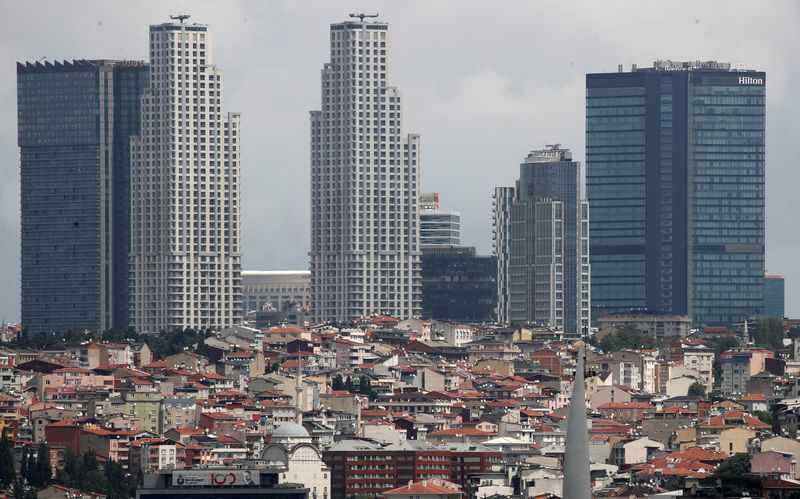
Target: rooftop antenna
x=362, y=16
x=180, y=17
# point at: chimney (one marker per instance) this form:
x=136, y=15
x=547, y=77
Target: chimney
x=619, y=68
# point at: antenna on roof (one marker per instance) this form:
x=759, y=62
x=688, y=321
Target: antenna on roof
x=362, y=16
x=180, y=17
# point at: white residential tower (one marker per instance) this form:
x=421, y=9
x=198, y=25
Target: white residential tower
x=365, y=256
x=185, y=248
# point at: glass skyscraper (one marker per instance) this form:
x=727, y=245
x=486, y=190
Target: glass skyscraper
x=675, y=181
x=458, y=285
x=548, y=268
x=773, y=295
x=74, y=123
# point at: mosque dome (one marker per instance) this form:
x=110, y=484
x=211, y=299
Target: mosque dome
x=290, y=430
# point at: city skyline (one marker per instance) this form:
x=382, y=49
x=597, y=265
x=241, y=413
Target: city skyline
x=499, y=96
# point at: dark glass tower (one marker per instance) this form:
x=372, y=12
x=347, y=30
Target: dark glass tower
x=457, y=285
x=74, y=123
x=675, y=180
x=773, y=295
x=548, y=269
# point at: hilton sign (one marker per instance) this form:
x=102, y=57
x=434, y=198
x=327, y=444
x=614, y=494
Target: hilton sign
x=749, y=80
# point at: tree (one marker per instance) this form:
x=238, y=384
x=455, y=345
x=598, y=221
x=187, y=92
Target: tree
x=30, y=468
x=41, y=474
x=337, y=383
x=769, y=333
x=697, y=389
x=21, y=491
x=7, y=472
x=722, y=344
x=626, y=338
x=118, y=483
x=763, y=416
x=734, y=466
x=348, y=384
x=23, y=465
x=364, y=386
x=731, y=476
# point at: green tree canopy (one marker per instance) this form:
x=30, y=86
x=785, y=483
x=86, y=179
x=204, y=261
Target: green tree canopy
x=697, y=389
x=7, y=472
x=627, y=338
x=763, y=416
x=769, y=333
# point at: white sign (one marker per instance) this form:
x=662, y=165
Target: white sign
x=749, y=80
x=215, y=478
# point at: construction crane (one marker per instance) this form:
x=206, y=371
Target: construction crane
x=180, y=17
x=362, y=16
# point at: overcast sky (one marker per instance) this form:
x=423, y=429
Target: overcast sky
x=483, y=83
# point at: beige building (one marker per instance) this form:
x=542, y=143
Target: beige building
x=700, y=358
x=657, y=326
x=636, y=451
x=178, y=413
x=735, y=440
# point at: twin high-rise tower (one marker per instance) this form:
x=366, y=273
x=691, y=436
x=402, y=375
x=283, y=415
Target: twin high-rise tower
x=365, y=255
x=185, y=244
x=130, y=191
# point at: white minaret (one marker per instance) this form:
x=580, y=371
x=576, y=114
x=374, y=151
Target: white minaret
x=185, y=245
x=364, y=255
x=577, y=477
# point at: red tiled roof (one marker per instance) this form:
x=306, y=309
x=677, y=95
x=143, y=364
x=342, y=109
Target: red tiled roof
x=218, y=415
x=458, y=432
x=626, y=405
x=156, y=364
x=285, y=330
x=422, y=488
x=747, y=421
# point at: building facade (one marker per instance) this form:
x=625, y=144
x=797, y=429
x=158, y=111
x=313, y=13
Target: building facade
x=659, y=327
x=502, y=200
x=362, y=467
x=458, y=285
x=273, y=288
x=437, y=227
x=549, y=279
x=774, y=295
x=675, y=178
x=219, y=482
x=74, y=120
x=365, y=256
x=185, y=251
